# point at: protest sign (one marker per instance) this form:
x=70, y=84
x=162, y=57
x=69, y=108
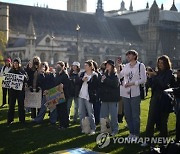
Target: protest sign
x=14, y=81
x=32, y=99
x=54, y=96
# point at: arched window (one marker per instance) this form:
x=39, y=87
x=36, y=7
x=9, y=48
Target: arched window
x=56, y=58
x=43, y=57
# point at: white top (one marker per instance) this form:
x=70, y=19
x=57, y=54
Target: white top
x=6, y=70
x=131, y=75
x=84, y=89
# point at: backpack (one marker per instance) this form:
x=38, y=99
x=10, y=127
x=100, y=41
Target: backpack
x=142, y=87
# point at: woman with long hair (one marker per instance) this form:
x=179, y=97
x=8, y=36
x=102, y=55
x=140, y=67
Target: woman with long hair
x=88, y=95
x=109, y=95
x=45, y=82
x=160, y=106
x=32, y=82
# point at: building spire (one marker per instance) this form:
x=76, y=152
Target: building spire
x=122, y=6
x=99, y=10
x=131, y=6
x=31, y=30
x=147, y=5
x=162, y=7
x=173, y=7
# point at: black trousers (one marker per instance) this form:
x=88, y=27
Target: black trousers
x=152, y=120
x=19, y=96
x=63, y=116
x=5, y=92
x=34, y=112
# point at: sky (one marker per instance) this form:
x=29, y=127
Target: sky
x=91, y=4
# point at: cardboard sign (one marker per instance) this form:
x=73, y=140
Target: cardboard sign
x=33, y=99
x=14, y=81
x=54, y=96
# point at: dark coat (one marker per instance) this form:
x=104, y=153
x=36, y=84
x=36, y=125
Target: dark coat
x=159, y=83
x=64, y=79
x=20, y=71
x=74, y=85
x=109, y=89
x=92, y=87
x=30, y=73
x=46, y=81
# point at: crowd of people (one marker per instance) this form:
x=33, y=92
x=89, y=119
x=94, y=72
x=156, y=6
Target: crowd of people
x=110, y=93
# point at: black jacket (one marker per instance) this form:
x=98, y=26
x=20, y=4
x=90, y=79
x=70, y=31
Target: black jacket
x=109, y=89
x=92, y=87
x=159, y=83
x=64, y=79
x=74, y=85
x=46, y=81
x=30, y=73
x=21, y=72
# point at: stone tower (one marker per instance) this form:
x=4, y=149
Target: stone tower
x=77, y=5
x=31, y=38
x=153, y=32
x=4, y=20
x=99, y=9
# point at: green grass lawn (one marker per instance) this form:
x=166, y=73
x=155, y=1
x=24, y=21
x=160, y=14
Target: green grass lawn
x=44, y=138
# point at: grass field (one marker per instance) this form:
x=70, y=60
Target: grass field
x=44, y=138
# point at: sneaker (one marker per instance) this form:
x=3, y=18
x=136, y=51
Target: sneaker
x=130, y=136
x=2, y=106
x=82, y=132
x=144, y=144
x=61, y=128
x=113, y=134
x=92, y=132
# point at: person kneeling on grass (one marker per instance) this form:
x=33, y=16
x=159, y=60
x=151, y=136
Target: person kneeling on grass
x=45, y=80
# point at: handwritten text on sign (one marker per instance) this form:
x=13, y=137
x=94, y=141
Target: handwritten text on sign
x=14, y=81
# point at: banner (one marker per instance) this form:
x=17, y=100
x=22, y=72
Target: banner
x=14, y=81
x=33, y=99
x=54, y=96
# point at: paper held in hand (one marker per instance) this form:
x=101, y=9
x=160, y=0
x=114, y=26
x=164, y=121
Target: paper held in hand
x=33, y=99
x=54, y=96
x=14, y=81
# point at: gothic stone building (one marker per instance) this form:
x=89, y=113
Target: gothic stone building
x=52, y=34
x=158, y=28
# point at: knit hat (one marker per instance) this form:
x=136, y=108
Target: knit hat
x=110, y=62
x=76, y=64
x=8, y=60
x=17, y=60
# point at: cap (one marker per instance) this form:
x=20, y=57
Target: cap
x=76, y=63
x=17, y=60
x=110, y=62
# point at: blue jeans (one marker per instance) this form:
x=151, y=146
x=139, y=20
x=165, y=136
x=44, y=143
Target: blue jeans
x=85, y=107
x=42, y=112
x=132, y=114
x=110, y=108
x=76, y=106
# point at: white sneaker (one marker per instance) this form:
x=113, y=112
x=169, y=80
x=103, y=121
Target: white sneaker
x=82, y=132
x=92, y=132
x=130, y=136
x=144, y=144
